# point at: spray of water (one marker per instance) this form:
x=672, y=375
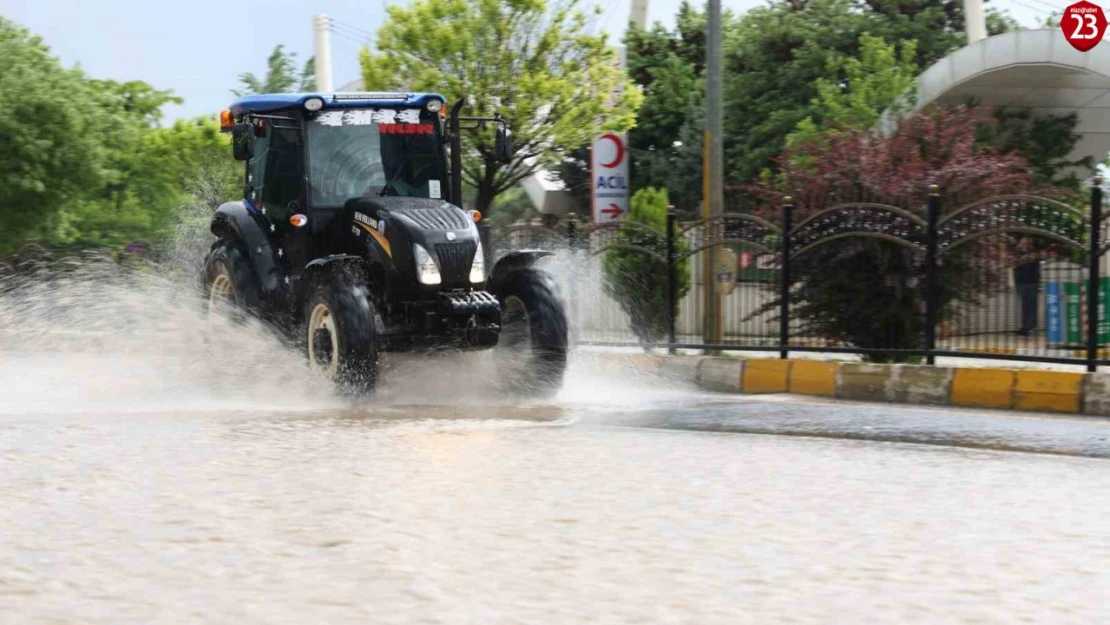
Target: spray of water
x=88, y=334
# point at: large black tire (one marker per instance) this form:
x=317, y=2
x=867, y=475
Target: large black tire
x=532, y=349
x=340, y=334
x=230, y=285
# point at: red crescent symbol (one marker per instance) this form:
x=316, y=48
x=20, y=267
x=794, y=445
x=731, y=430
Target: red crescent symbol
x=620, y=150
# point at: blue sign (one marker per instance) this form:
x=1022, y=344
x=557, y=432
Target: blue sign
x=1054, y=313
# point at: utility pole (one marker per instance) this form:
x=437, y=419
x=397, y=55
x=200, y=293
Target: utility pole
x=323, y=53
x=714, y=162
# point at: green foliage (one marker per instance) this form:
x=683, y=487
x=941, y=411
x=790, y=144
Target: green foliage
x=858, y=89
x=638, y=281
x=49, y=150
x=666, y=146
x=777, y=56
x=281, y=75
x=574, y=172
x=188, y=161
x=86, y=162
x=1045, y=141
x=534, y=63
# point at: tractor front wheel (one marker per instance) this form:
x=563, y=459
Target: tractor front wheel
x=532, y=348
x=341, y=336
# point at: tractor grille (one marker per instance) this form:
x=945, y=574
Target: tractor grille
x=445, y=217
x=455, y=260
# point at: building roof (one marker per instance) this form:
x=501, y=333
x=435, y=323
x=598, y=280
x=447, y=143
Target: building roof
x=266, y=102
x=1037, y=70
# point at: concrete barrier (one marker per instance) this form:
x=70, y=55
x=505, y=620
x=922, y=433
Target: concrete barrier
x=983, y=388
x=865, y=382
x=913, y=384
x=1096, y=394
x=1051, y=391
x=721, y=374
x=813, y=377
x=681, y=368
x=1011, y=389
x=766, y=376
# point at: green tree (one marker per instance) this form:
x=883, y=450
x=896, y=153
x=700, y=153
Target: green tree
x=281, y=75
x=669, y=65
x=858, y=89
x=777, y=55
x=49, y=151
x=189, y=161
x=638, y=281
x=1046, y=141
x=536, y=65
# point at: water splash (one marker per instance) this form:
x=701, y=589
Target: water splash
x=87, y=334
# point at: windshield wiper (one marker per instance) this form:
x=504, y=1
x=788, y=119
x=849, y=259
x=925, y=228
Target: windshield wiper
x=400, y=168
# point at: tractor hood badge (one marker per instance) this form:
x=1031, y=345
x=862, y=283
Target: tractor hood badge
x=450, y=236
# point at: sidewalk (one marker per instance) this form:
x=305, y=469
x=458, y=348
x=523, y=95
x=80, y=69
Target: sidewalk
x=1017, y=346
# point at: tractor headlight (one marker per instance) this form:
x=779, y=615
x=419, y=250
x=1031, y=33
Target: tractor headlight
x=314, y=104
x=426, y=269
x=434, y=105
x=478, y=267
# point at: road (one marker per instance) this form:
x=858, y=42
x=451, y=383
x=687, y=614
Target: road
x=132, y=494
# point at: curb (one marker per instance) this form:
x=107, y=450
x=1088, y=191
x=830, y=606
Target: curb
x=973, y=387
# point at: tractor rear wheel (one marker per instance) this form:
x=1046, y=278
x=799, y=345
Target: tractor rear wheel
x=532, y=348
x=340, y=334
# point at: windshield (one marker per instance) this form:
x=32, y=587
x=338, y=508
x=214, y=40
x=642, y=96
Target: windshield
x=383, y=151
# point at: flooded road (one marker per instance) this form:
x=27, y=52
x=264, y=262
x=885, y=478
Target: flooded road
x=623, y=501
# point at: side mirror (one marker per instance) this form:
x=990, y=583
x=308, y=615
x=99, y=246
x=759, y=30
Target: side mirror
x=242, y=141
x=504, y=144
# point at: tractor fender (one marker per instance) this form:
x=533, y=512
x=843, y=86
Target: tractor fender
x=233, y=221
x=510, y=262
x=319, y=271
x=319, y=267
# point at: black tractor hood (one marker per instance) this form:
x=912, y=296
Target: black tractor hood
x=444, y=230
x=421, y=213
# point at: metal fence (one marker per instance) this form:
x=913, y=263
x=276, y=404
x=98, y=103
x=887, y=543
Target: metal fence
x=1012, y=277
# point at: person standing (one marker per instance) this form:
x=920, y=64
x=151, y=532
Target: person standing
x=1027, y=277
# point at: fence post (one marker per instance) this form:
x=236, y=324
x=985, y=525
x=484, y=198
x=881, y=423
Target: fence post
x=784, y=274
x=1093, y=275
x=932, y=216
x=672, y=282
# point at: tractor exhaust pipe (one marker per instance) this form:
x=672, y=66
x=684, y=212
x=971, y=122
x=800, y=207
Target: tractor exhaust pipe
x=454, y=132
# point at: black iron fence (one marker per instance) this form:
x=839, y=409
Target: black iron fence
x=1015, y=277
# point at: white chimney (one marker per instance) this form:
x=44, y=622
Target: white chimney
x=976, y=21
x=323, y=53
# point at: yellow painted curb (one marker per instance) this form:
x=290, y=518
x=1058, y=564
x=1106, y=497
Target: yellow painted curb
x=765, y=376
x=1054, y=391
x=813, y=377
x=983, y=388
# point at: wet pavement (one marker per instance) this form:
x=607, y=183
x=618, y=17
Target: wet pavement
x=623, y=501
x=797, y=416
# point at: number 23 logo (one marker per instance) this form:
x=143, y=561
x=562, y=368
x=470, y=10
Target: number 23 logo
x=1086, y=19
x=1083, y=25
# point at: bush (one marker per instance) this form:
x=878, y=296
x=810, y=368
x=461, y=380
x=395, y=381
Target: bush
x=638, y=281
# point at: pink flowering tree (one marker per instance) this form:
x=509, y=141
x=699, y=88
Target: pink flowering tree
x=868, y=292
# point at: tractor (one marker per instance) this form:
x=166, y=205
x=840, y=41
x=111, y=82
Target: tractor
x=351, y=240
